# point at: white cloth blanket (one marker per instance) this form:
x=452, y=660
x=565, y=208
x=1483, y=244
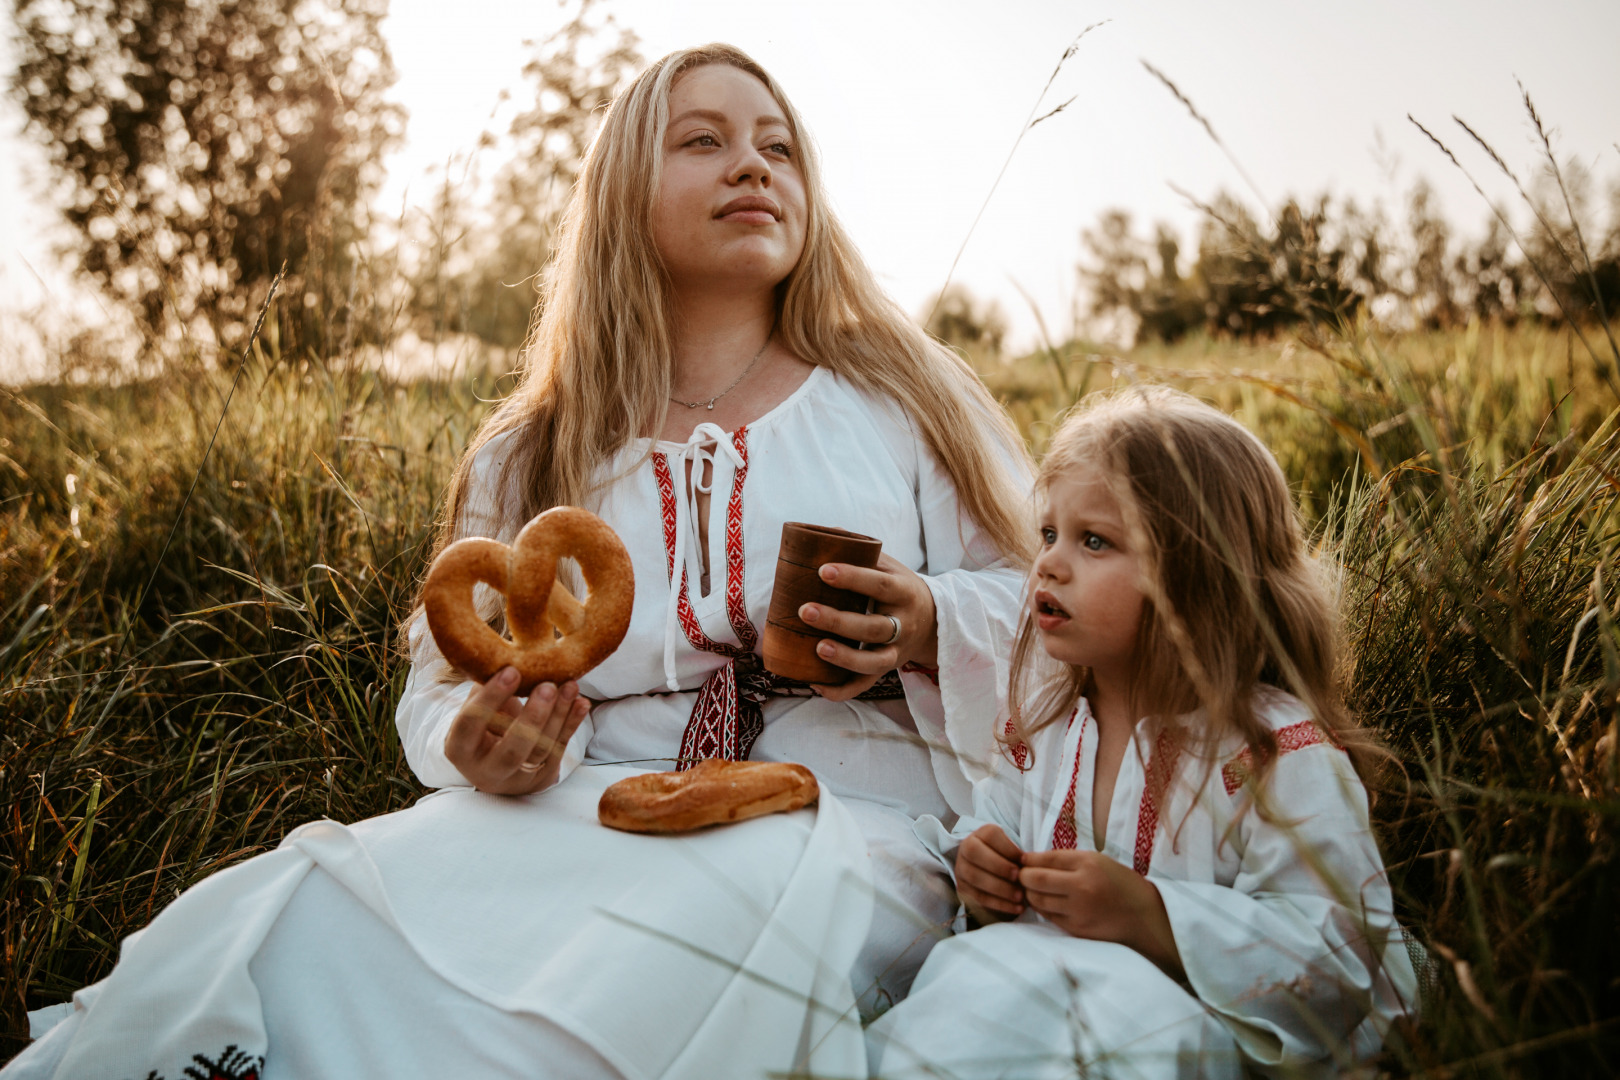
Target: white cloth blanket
x=743, y=968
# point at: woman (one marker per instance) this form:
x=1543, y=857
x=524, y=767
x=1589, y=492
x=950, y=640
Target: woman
x=713, y=360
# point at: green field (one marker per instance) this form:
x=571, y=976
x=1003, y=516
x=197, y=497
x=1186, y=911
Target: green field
x=1465, y=482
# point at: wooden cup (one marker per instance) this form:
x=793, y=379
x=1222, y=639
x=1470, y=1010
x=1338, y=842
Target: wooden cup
x=790, y=644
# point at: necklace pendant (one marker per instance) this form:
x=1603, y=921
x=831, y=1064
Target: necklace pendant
x=711, y=404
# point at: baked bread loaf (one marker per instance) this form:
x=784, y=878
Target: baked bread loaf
x=538, y=607
x=712, y=792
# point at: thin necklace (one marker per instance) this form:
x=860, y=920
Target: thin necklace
x=734, y=382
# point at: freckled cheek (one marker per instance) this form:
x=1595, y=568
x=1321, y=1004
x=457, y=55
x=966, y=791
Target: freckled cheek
x=679, y=198
x=669, y=219
x=690, y=214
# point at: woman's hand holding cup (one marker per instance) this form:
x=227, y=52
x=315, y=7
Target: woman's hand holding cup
x=507, y=746
x=900, y=596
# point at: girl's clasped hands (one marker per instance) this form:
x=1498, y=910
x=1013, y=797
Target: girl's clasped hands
x=1083, y=893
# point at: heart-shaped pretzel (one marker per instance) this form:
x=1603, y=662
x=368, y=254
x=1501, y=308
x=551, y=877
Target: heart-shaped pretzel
x=537, y=604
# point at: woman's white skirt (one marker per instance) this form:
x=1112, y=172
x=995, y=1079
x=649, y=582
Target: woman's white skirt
x=481, y=935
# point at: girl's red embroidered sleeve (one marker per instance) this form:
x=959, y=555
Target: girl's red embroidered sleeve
x=1301, y=945
x=1236, y=772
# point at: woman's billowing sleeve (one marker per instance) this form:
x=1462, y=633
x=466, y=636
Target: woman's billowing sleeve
x=977, y=598
x=434, y=692
x=997, y=800
x=1303, y=948
x=433, y=695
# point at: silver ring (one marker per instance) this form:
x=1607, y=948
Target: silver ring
x=894, y=637
x=536, y=767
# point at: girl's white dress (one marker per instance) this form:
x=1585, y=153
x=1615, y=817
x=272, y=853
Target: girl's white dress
x=482, y=935
x=1295, y=964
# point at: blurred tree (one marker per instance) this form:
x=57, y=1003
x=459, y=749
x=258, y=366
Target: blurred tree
x=199, y=143
x=1169, y=305
x=965, y=322
x=1607, y=255
x=479, y=277
x=1324, y=262
x=1368, y=250
x=1115, y=271
x=1564, y=236
x=1492, y=278
x=1319, y=261
x=1236, y=268
x=1427, y=280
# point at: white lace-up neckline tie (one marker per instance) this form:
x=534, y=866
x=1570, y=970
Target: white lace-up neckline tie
x=721, y=724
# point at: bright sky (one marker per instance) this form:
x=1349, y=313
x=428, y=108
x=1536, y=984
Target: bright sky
x=915, y=104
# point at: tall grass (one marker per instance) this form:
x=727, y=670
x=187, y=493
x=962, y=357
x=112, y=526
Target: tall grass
x=258, y=687
x=1466, y=483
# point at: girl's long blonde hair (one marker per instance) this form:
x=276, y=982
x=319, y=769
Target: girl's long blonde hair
x=598, y=366
x=1234, y=600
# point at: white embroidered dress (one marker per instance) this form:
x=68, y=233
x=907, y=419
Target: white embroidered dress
x=1295, y=964
x=830, y=454
x=481, y=935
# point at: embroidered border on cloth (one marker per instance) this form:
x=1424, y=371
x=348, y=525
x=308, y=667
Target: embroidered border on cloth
x=1064, y=831
x=930, y=673
x=736, y=595
x=724, y=724
x=727, y=718
x=1020, y=752
x=1236, y=773
x=1166, y=753
x=232, y=1064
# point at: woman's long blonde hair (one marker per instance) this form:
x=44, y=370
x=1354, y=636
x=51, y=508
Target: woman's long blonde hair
x=1234, y=600
x=598, y=366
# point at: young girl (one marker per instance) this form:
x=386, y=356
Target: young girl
x=1172, y=862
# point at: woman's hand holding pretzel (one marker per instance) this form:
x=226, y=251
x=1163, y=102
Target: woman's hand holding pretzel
x=507, y=746
x=901, y=596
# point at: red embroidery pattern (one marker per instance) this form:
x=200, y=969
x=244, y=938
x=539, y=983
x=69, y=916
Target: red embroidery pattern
x=666, y=505
x=1166, y=752
x=1020, y=752
x=1065, y=833
x=736, y=599
x=929, y=673
x=233, y=1064
x=722, y=724
x=1235, y=773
